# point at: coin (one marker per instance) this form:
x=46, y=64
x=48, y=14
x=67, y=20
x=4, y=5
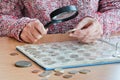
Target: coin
x=44, y=79
x=46, y=59
x=67, y=76
x=65, y=60
x=35, y=71
x=84, y=71
x=73, y=56
x=116, y=55
x=79, y=59
x=23, y=64
x=60, y=57
x=45, y=73
x=92, y=58
x=73, y=72
x=86, y=54
x=58, y=73
x=59, y=70
x=13, y=54
x=50, y=62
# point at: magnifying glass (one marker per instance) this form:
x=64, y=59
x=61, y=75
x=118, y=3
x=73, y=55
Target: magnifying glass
x=62, y=14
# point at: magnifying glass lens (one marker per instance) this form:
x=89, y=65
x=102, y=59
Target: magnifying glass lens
x=64, y=15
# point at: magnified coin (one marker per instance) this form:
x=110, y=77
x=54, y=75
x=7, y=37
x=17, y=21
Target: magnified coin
x=23, y=64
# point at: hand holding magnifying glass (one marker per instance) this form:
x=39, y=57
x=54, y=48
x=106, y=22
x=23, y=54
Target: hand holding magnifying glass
x=34, y=30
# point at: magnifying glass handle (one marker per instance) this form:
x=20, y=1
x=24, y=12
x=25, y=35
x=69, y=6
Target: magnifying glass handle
x=48, y=24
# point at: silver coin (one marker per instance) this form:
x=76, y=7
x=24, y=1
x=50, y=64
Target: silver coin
x=73, y=72
x=92, y=57
x=44, y=79
x=86, y=54
x=59, y=70
x=50, y=62
x=58, y=73
x=84, y=71
x=23, y=64
x=74, y=56
x=65, y=60
x=67, y=76
x=74, y=48
x=81, y=51
x=60, y=57
x=45, y=73
x=46, y=59
x=54, y=54
x=116, y=55
x=79, y=59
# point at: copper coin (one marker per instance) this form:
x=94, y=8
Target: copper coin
x=84, y=71
x=13, y=54
x=35, y=71
x=58, y=73
x=67, y=76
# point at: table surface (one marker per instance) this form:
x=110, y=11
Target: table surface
x=9, y=72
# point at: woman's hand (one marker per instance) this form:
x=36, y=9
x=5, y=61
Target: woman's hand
x=88, y=30
x=33, y=32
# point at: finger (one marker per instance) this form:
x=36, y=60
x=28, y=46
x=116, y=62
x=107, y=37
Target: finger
x=35, y=33
x=95, y=33
x=29, y=33
x=39, y=26
x=84, y=23
x=25, y=38
x=88, y=41
x=78, y=34
x=90, y=38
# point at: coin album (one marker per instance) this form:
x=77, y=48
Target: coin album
x=70, y=54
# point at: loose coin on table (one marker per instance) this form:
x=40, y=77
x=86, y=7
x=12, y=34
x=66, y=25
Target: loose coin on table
x=84, y=71
x=35, y=71
x=23, y=64
x=67, y=76
x=59, y=70
x=44, y=79
x=58, y=73
x=13, y=54
x=45, y=74
x=73, y=72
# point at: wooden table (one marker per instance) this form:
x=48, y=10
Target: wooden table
x=9, y=72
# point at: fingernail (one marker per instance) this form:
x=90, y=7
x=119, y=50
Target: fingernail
x=35, y=40
x=70, y=34
x=39, y=37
